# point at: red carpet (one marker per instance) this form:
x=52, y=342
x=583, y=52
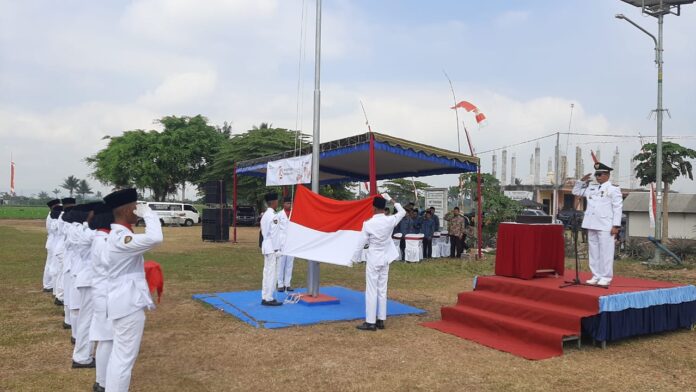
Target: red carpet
x=528, y=318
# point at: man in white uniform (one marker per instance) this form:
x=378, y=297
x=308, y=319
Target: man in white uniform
x=377, y=235
x=602, y=219
x=270, y=248
x=284, y=262
x=128, y=293
x=53, y=208
x=59, y=255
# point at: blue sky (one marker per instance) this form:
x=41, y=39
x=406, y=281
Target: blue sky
x=74, y=71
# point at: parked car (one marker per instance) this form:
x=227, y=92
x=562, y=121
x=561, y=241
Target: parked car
x=566, y=217
x=528, y=211
x=173, y=213
x=246, y=216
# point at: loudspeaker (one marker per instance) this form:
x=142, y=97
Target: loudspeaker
x=216, y=224
x=215, y=192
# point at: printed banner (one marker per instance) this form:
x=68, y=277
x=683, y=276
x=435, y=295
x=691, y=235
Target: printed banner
x=289, y=171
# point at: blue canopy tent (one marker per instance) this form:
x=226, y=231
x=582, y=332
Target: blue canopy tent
x=369, y=157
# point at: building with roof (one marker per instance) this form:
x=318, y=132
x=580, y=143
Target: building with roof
x=682, y=215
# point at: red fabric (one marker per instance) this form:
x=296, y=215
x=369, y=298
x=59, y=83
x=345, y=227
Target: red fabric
x=328, y=215
x=529, y=318
x=154, y=277
x=524, y=249
x=480, y=117
x=594, y=157
x=468, y=106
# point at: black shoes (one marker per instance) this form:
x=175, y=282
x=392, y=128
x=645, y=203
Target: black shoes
x=367, y=327
x=72, y=340
x=66, y=326
x=270, y=303
x=289, y=289
x=48, y=290
x=91, y=365
x=281, y=289
x=380, y=324
x=58, y=302
x=98, y=388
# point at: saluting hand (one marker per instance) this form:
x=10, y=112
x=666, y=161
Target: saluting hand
x=586, y=177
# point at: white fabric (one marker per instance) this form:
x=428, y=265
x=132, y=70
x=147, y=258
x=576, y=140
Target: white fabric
x=74, y=315
x=269, y=276
x=269, y=230
x=601, y=252
x=80, y=239
x=289, y=171
x=128, y=289
x=376, y=279
x=396, y=237
x=128, y=332
x=101, y=357
x=48, y=278
x=100, y=328
x=284, y=270
x=436, y=245
x=377, y=234
x=414, y=248
x=82, y=352
x=604, y=205
x=444, y=244
x=338, y=247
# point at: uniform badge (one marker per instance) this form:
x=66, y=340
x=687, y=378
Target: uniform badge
x=275, y=221
x=127, y=239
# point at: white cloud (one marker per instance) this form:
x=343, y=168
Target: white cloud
x=511, y=18
x=180, y=89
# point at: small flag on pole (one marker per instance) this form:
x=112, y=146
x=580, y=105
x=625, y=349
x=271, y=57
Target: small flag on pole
x=12, y=177
x=652, y=206
x=469, y=107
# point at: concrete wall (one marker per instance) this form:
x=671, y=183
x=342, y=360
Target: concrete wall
x=680, y=225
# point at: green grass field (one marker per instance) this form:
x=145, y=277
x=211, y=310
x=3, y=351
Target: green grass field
x=188, y=346
x=23, y=212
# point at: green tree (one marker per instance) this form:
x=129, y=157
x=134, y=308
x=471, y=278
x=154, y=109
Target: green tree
x=405, y=190
x=56, y=192
x=70, y=184
x=496, y=206
x=84, y=189
x=43, y=195
x=159, y=161
x=675, y=163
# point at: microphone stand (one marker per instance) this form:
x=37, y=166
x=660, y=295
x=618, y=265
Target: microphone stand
x=574, y=228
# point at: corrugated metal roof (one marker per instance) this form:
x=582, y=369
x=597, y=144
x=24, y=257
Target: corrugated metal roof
x=678, y=202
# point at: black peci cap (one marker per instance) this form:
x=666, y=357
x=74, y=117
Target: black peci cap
x=53, y=202
x=121, y=197
x=287, y=199
x=271, y=196
x=67, y=200
x=379, y=202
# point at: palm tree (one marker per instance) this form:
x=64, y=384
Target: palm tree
x=70, y=184
x=674, y=164
x=84, y=189
x=56, y=192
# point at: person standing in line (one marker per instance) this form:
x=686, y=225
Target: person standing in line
x=602, y=220
x=427, y=229
x=381, y=251
x=436, y=219
x=47, y=282
x=456, y=231
x=128, y=293
x=100, y=328
x=59, y=256
x=405, y=227
x=284, y=269
x=270, y=247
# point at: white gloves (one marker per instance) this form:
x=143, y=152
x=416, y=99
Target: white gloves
x=386, y=196
x=141, y=210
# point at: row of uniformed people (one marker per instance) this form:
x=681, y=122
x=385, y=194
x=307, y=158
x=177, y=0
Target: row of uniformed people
x=276, y=267
x=95, y=269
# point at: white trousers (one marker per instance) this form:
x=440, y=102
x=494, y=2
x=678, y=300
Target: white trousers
x=82, y=352
x=74, y=315
x=269, y=276
x=102, y=360
x=128, y=332
x=284, y=270
x=376, y=278
x=58, y=286
x=47, y=277
x=601, y=250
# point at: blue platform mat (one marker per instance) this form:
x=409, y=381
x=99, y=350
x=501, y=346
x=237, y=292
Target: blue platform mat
x=246, y=306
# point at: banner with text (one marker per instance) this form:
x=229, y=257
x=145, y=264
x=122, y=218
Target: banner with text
x=289, y=171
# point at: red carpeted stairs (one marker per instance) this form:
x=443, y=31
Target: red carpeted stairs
x=528, y=318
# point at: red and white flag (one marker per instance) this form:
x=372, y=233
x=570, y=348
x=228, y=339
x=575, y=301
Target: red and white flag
x=12, y=175
x=652, y=205
x=469, y=107
x=324, y=229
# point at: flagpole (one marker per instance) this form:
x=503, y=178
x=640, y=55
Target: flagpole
x=456, y=113
x=313, y=266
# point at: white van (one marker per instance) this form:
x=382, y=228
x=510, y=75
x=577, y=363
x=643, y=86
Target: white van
x=173, y=213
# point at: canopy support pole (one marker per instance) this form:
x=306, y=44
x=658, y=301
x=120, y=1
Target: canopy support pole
x=373, y=166
x=234, y=204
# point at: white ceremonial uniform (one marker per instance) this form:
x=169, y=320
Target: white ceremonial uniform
x=128, y=295
x=377, y=234
x=100, y=328
x=81, y=272
x=604, y=206
x=79, y=240
x=58, y=255
x=269, y=247
x=285, y=263
x=47, y=277
x=68, y=259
